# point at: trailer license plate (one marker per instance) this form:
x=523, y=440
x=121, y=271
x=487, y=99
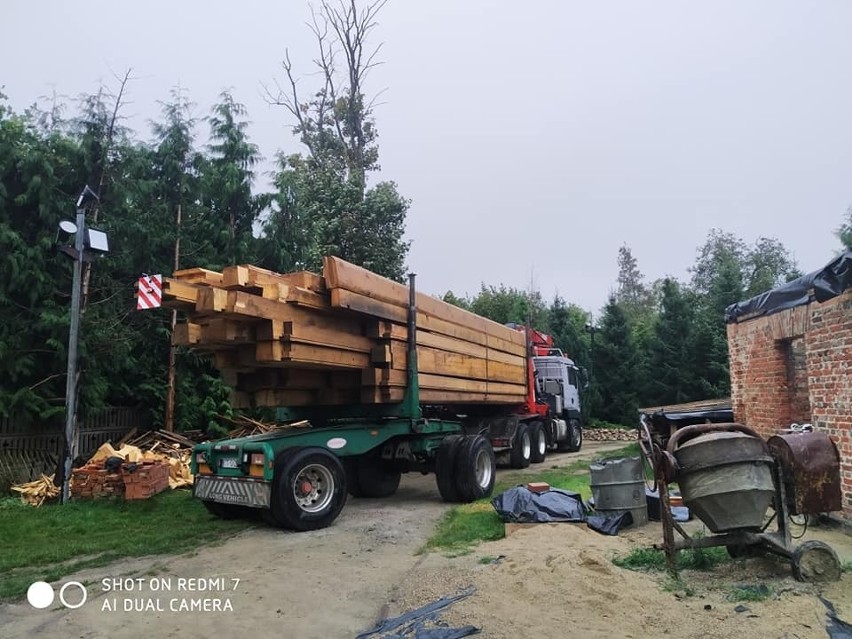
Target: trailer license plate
x=233, y=490
x=230, y=462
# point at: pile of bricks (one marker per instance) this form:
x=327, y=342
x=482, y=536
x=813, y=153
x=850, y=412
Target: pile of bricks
x=93, y=481
x=144, y=480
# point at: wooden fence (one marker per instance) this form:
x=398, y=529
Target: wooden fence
x=28, y=449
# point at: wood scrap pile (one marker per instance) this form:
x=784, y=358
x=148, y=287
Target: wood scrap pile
x=301, y=339
x=35, y=493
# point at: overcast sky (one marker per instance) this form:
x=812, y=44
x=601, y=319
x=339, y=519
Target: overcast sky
x=533, y=138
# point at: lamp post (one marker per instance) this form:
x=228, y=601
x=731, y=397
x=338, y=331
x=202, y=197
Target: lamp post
x=82, y=241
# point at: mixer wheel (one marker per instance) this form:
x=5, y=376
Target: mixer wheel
x=815, y=561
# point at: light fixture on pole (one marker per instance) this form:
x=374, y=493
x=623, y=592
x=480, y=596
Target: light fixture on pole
x=95, y=241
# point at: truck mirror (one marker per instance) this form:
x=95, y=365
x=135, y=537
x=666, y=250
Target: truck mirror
x=584, y=377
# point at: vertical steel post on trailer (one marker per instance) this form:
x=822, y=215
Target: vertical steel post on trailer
x=411, y=402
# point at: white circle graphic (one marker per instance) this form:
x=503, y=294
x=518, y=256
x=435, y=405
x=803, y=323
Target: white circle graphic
x=40, y=594
x=336, y=442
x=62, y=594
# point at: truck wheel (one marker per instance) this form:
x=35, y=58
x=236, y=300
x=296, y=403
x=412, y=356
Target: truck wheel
x=475, y=468
x=574, y=441
x=308, y=489
x=445, y=468
x=374, y=477
x=539, y=443
x=225, y=511
x=521, y=452
x=575, y=436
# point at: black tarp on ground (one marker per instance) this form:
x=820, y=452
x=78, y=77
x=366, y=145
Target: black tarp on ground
x=830, y=281
x=519, y=505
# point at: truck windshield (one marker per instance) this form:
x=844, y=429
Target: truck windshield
x=548, y=370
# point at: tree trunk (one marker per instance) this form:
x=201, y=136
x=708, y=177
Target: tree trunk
x=169, y=420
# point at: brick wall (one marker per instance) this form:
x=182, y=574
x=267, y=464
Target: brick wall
x=796, y=366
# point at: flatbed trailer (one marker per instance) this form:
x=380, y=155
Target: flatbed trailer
x=299, y=477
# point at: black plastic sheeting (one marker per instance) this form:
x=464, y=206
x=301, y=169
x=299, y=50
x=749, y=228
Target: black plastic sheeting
x=412, y=624
x=837, y=628
x=609, y=525
x=830, y=281
x=519, y=505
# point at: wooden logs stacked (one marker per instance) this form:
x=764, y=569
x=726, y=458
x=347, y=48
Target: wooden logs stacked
x=301, y=339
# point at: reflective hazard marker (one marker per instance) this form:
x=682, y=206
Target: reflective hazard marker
x=149, y=292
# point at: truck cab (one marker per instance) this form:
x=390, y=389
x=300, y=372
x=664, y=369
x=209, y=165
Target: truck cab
x=557, y=376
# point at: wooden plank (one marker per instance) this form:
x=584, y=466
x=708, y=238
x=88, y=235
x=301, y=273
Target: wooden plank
x=223, y=330
x=378, y=395
x=306, y=334
x=198, y=276
x=434, y=340
x=439, y=362
x=506, y=358
x=503, y=388
x=506, y=346
x=281, y=351
x=211, y=300
x=177, y=294
x=248, y=276
x=341, y=298
x=343, y=275
x=397, y=378
x=186, y=333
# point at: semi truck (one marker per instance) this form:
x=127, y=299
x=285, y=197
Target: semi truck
x=298, y=477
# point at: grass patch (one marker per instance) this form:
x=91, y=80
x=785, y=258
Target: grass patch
x=690, y=559
x=846, y=566
x=757, y=592
x=677, y=586
x=466, y=525
x=55, y=540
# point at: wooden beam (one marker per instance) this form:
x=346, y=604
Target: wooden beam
x=198, y=276
x=186, y=334
x=340, y=274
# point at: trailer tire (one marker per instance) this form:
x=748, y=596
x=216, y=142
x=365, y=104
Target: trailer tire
x=539, y=442
x=475, y=468
x=522, y=446
x=308, y=488
x=445, y=468
x=374, y=478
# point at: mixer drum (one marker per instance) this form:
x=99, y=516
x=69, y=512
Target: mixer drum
x=725, y=478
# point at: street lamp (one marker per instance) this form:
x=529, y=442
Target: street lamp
x=95, y=241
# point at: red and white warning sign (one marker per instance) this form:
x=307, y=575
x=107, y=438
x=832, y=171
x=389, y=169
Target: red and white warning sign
x=149, y=292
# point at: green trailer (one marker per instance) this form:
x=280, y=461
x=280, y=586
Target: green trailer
x=299, y=477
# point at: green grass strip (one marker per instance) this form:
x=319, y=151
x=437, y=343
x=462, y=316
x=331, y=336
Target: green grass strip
x=55, y=540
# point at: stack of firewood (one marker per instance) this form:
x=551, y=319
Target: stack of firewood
x=301, y=339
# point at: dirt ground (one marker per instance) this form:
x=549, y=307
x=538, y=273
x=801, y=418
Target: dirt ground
x=552, y=581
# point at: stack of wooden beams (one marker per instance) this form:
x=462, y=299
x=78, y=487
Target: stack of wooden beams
x=301, y=339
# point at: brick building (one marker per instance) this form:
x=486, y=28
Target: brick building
x=791, y=360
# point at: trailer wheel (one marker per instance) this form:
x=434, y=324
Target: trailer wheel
x=521, y=452
x=374, y=478
x=539, y=442
x=475, y=468
x=225, y=511
x=445, y=468
x=308, y=490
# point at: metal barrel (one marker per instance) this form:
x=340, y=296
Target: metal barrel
x=618, y=486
